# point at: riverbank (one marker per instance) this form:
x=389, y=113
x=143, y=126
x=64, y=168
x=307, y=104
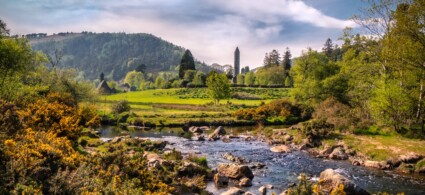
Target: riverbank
x=281, y=169
x=385, y=152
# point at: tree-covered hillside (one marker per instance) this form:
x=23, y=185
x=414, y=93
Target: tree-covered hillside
x=112, y=53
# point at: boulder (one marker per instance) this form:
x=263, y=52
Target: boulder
x=245, y=182
x=330, y=179
x=338, y=154
x=263, y=190
x=280, y=149
x=220, y=180
x=235, y=171
x=194, y=129
x=410, y=158
x=220, y=131
x=233, y=191
x=376, y=164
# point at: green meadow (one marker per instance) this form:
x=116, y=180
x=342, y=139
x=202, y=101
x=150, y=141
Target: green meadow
x=188, y=104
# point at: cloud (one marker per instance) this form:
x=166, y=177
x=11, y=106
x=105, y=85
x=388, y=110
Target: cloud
x=211, y=29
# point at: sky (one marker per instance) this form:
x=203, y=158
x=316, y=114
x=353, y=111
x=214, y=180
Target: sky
x=211, y=29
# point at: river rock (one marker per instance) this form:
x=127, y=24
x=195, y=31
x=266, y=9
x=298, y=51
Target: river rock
x=330, y=179
x=233, y=191
x=338, y=154
x=280, y=149
x=185, y=127
x=220, y=180
x=410, y=158
x=116, y=140
x=235, y=171
x=190, y=169
x=262, y=190
x=257, y=165
x=199, y=138
x=226, y=139
x=405, y=168
x=220, y=131
x=420, y=167
x=194, y=129
x=236, y=159
x=376, y=164
x=248, y=193
x=245, y=182
x=204, y=128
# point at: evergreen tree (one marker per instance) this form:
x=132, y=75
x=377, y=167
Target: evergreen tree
x=187, y=63
x=274, y=58
x=328, y=48
x=286, y=62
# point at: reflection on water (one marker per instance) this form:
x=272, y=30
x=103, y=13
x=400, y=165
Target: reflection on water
x=281, y=169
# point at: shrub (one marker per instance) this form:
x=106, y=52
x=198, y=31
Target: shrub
x=335, y=113
x=120, y=107
x=173, y=155
x=316, y=129
x=201, y=161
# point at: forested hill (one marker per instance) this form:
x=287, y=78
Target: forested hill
x=112, y=53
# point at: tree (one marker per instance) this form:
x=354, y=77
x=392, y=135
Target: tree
x=141, y=68
x=189, y=75
x=249, y=79
x=287, y=62
x=187, y=63
x=16, y=57
x=199, y=79
x=218, y=87
x=134, y=78
x=3, y=29
x=240, y=79
x=328, y=48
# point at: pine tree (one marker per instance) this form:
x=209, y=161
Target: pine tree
x=328, y=48
x=287, y=60
x=187, y=63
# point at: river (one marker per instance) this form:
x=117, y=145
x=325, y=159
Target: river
x=281, y=169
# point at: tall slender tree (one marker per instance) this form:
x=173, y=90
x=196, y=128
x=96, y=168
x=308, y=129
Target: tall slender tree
x=187, y=63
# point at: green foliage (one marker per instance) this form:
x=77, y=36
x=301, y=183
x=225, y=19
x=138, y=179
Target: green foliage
x=277, y=110
x=189, y=75
x=249, y=79
x=121, y=106
x=272, y=75
x=199, y=79
x=173, y=155
x=187, y=63
x=113, y=53
x=218, y=87
x=317, y=129
x=201, y=161
x=15, y=59
x=240, y=79
x=134, y=78
x=314, y=78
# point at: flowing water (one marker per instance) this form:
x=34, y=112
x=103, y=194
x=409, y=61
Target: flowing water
x=281, y=169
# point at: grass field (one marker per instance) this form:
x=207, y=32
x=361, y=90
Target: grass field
x=180, y=105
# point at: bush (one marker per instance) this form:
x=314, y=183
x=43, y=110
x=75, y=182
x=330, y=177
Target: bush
x=201, y=161
x=317, y=129
x=173, y=155
x=120, y=107
x=335, y=113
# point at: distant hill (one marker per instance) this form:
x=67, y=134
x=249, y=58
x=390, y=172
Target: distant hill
x=112, y=53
